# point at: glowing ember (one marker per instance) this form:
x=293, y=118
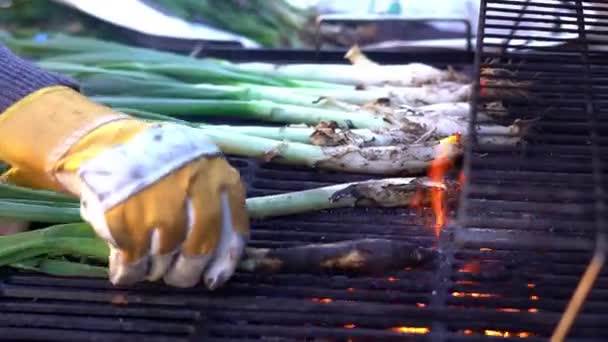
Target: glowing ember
x=411, y=330
x=471, y=267
x=392, y=279
x=474, y=295
x=481, y=295
x=350, y=326
x=421, y=305
x=531, y=285
x=483, y=249
x=461, y=178
x=350, y=289
x=465, y=282
x=533, y=297
x=509, y=310
x=322, y=300
x=498, y=333
x=493, y=333
x=532, y=310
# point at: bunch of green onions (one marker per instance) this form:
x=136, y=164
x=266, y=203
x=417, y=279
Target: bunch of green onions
x=341, y=117
x=356, y=117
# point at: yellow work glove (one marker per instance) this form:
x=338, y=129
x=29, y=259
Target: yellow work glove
x=162, y=195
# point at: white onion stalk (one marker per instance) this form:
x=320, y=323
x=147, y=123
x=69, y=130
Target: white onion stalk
x=323, y=134
x=443, y=92
x=445, y=119
x=387, y=192
x=411, y=96
x=382, y=160
x=361, y=72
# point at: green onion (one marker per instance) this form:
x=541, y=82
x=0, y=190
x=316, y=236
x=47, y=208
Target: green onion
x=37, y=250
x=259, y=110
x=61, y=268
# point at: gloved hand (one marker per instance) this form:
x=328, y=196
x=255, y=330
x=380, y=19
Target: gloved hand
x=162, y=196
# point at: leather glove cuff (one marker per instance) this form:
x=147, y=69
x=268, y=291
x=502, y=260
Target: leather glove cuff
x=38, y=130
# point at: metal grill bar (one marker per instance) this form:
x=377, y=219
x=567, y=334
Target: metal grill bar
x=546, y=195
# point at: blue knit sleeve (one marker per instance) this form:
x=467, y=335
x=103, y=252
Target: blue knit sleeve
x=19, y=78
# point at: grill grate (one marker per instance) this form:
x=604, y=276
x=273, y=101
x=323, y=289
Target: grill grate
x=536, y=209
x=279, y=307
x=527, y=224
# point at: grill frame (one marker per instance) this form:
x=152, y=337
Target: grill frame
x=35, y=307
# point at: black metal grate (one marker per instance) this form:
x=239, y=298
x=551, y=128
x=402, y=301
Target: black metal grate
x=526, y=228
x=279, y=307
x=536, y=209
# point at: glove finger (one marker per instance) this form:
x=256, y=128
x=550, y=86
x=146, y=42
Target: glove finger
x=186, y=270
x=229, y=250
x=165, y=242
x=201, y=238
x=122, y=272
x=159, y=262
x=167, y=239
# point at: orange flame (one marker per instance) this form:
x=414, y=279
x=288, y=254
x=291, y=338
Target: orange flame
x=350, y=326
x=438, y=168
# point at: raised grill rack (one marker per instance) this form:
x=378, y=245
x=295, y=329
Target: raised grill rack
x=539, y=206
x=527, y=225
